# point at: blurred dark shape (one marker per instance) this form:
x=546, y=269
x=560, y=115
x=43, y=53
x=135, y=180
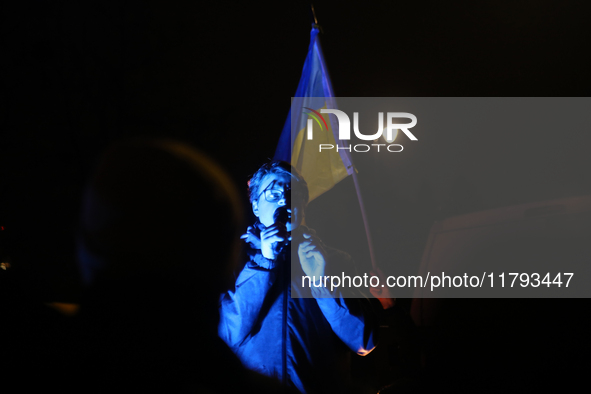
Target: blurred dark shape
x=157, y=241
x=491, y=344
x=464, y=197
x=27, y=327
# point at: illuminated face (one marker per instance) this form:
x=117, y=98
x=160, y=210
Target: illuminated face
x=274, y=193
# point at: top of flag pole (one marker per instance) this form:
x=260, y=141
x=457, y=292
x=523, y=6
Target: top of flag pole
x=314, y=19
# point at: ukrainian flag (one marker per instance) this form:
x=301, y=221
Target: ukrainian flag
x=321, y=170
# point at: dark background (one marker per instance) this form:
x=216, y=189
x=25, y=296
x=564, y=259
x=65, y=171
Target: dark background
x=77, y=77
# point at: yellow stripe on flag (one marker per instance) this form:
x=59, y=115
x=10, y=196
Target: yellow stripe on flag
x=321, y=170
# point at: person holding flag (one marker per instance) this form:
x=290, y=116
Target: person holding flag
x=274, y=323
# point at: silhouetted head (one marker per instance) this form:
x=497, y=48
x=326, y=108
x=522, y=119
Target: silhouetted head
x=159, y=209
x=158, y=242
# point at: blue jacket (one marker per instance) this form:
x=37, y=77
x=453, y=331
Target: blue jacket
x=304, y=342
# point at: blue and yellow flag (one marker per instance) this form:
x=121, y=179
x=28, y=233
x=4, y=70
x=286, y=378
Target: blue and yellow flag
x=321, y=170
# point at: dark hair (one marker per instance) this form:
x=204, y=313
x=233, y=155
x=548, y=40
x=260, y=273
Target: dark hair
x=278, y=167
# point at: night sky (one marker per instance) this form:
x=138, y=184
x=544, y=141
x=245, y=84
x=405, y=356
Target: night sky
x=77, y=77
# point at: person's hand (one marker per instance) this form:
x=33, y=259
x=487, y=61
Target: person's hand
x=381, y=292
x=252, y=237
x=272, y=236
x=312, y=256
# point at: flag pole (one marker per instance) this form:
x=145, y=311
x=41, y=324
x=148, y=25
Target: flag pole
x=351, y=168
x=313, y=15
x=313, y=18
x=381, y=294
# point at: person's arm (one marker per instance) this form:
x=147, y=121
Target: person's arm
x=241, y=308
x=351, y=319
